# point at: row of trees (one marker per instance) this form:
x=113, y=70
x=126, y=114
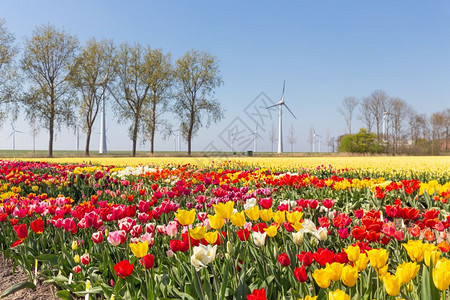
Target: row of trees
x=397, y=126
x=64, y=79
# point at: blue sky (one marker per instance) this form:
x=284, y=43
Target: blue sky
x=325, y=50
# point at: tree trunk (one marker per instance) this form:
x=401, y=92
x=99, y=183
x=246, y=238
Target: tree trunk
x=191, y=128
x=88, y=141
x=51, y=134
x=153, y=128
x=135, y=133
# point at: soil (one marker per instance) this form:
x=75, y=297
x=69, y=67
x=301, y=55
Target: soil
x=8, y=278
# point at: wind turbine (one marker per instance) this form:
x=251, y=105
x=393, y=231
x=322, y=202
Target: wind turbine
x=103, y=148
x=232, y=137
x=280, y=119
x=385, y=121
x=314, y=141
x=177, y=139
x=255, y=137
x=13, y=134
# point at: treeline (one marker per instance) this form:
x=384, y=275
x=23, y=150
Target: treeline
x=393, y=126
x=58, y=82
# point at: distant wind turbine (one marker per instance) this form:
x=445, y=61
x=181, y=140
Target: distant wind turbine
x=103, y=148
x=385, y=121
x=280, y=105
x=256, y=135
x=13, y=134
x=316, y=138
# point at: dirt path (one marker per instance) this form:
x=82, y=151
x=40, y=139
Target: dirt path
x=8, y=279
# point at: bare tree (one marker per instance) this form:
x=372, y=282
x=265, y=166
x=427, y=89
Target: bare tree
x=160, y=78
x=397, y=115
x=93, y=67
x=47, y=62
x=348, y=106
x=272, y=137
x=9, y=81
x=292, y=139
x=197, y=75
x=375, y=105
x=131, y=91
x=366, y=114
x=447, y=128
x=437, y=122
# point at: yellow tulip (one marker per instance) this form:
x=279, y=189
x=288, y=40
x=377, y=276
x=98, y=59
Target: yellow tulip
x=338, y=295
x=382, y=271
x=76, y=259
x=378, y=257
x=349, y=275
x=266, y=214
x=322, y=277
x=335, y=270
x=415, y=250
x=74, y=245
x=238, y=219
x=441, y=275
x=211, y=237
x=297, y=226
x=185, y=217
x=198, y=232
x=294, y=217
x=216, y=222
x=431, y=253
x=353, y=253
x=139, y=249
x=392, y=284
x=279, y=216
x=407, y=271
x=252, y=213
x=224, y=210
x=362, y=261
x=271, y=230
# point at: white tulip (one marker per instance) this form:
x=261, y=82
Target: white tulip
x=259, y=238
x=203, y=255
x=298, y=236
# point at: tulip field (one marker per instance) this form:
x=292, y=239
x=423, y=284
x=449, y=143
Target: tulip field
x=238, y=229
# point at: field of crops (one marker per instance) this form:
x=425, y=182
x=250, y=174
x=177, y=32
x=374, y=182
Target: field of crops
x=253, y=228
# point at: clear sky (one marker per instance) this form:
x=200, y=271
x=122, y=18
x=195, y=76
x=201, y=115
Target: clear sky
x=325, y=50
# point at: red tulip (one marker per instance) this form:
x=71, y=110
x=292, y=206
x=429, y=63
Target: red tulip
x=243, y=234
x=266, y=203
x=305, y=258
x=257, y=295
x=284, y=260
x=77, y=269
x=21, y=231
x=85, y=259
x=97, y=237
x=148, y=261
x=300, y=274
x=123, y=268
x=37, y=226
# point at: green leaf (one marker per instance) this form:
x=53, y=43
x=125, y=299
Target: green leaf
x=64, y=295
x=17, y=287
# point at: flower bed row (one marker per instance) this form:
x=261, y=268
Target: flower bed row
x=225, y=232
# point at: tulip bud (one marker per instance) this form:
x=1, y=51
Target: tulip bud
x=230, y=248
x=74, y=245
x=76, y=259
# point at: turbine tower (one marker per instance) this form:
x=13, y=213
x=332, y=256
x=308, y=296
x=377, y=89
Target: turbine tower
x=13, y=134
x=280, y=119
x=102, y=148
x=256, y=135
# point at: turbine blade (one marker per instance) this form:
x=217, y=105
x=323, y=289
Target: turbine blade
x=273, y=105
x=282, y=95
x=259, y=136
x=290, y=111
x=11, y=134
x=19, y=131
